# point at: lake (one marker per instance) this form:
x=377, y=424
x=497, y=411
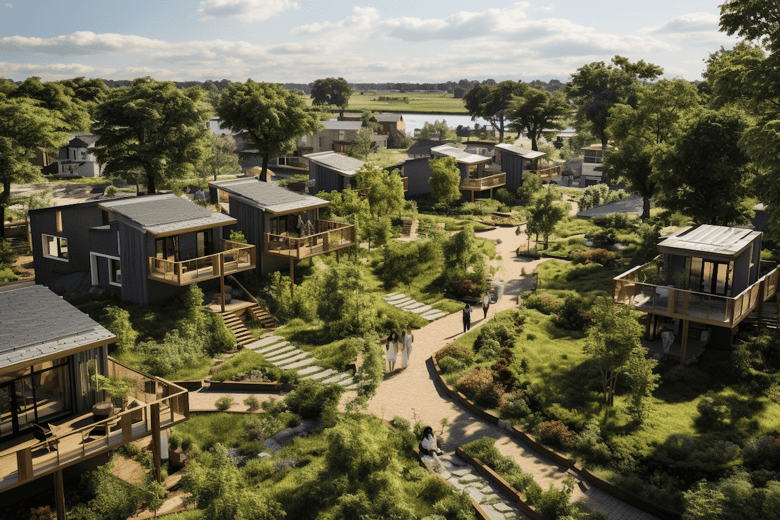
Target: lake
x=418, y=120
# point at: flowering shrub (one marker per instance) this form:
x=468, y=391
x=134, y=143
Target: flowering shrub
x=556, y=433
x=599, y=256
x=457, y=352
x=474, y=381
x=543, y=302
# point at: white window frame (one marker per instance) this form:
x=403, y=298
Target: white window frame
x=46, y=250
x=94, y=268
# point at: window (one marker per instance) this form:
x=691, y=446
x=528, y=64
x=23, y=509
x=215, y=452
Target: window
x=114, y=272
x=55, y=247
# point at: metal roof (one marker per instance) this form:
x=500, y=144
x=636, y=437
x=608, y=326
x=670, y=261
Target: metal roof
x=270, y=197
x=341, y=125
x=388, y=118
x=459, y=155
x=706, y=239
x=36, y=324
x=341, y=164
x=522, y=152
x=161, y=214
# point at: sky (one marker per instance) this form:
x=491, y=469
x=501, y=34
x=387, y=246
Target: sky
x=299, y=41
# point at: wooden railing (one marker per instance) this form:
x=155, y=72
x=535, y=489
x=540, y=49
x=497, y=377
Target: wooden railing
x=547, y=173
x=158, y=401
x=691, y=305
x=237, y=257
x=484, y=183
x=330, y=236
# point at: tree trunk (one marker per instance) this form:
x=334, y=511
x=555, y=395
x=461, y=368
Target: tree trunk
x=4, y=198
x=151, y=189
x=264, y=174
x=534, y=146
x=645, y=208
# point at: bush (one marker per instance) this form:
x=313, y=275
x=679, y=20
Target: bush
x=489, y=350
x=571, y=315
x=455, y=351
x=448, y=365
x=554, y=503
x=6, y=252
x=503, y=330
x=528, y=188
x=577, y=256
x=599, y=256
x=252, y=403
x=604, y=237
x=273, y=406
x=223, y=403
x=491, y=396
x=591, y=446
x=474, y=382
x=599, y=195
x=712, y=413
x=763, y=452
x=310, y=400
x=505, y=197
x=515, y=405
x=542, y=302
x=400, y=424
x=7, y=274
x=556, y=433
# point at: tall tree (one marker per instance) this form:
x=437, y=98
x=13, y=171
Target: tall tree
x=387, y=189
x=436, y=130
x=705, y=174
x=24, y=126
x=490, y=102
x=640, y=132
x=331, y=91
x=272, y=117
x=597, y=87
x=152, y=128
x=90, y=92
x=74, y=115
x=362, y=142
x=219, y=156
x=538, y=113
x=445, y=180
x=546, y=212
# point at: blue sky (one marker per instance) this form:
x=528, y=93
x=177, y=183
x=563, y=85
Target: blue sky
x=397, y=40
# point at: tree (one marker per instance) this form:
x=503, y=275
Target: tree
x=641, y=383
x=460, y=250
x=219, y=156
x=151, y=494
x=546, y=212
x=596, y=88
x=705, y=174
x=528, y=188
x=24, y=126
x=445, y=180
x=640, y=132
x=436, y=130
x=117, y=320
x=362, y=143
x=331, y=91
x=490, y=102
x=90, y=92
x=153, y=128
x=387, y=188
x=73, y=114
x=348, y=308
x=272, y=118
x=537, y=113
x=375, y=229
x=611, y=338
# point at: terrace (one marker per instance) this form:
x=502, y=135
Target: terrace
x=547, y=173
x=154, y=404
x=233, y=258
x=330, y=236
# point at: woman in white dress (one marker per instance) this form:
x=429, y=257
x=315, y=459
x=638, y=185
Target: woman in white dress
x=392, y=349
x=406, y=353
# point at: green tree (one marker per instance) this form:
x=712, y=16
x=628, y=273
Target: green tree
x=528, y=188
x=90, y=92
x=153, y=128
x=117, y=320
x=387, y=188
x=705, y=174
x=703, y=503
x=348, y=308
x=151, y=494
x=362, y=143
x=538, y=113
x=436, y=130
x=641, y=383
x=612, y=337
x=490, y=102
x=596, y=88
x=640, y=132
x=24, y=126
x=55, y=97
x=344, y=205
x=445, y=180
x=460, y=250
x=219, y=157
x=272, y=118
x=546, y=212
x=331, y=91
x=376, y=230
x=370, y=374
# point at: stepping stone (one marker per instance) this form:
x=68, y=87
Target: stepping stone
x=433, y=315
x=401, y=303
x=321, y=375
x=271, y=348
x=254, y=345
x=394, y=297
x=347, y=382
x=335, y=379
x=279, y=351
x=268, y=340
x=279, y=358
x=475, y=494
x=288, y=360
x=353, y=386
x=420, y=310
x=391, y=295
x=503, y=507
x=416, y=305
x=461, y=472
x=309, y=370
x=299, y=364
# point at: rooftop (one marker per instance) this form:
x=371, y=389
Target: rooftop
x=522, y=152
x=423, y=146
x=36, y=324
x=269, y=197
x=709, y=240
x=342, y=164
x=459, y=155
x=162, y=214
x=388, y=118
x=341, y=125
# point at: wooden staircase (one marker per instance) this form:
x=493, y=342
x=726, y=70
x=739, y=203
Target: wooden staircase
x=237, y=327
x=261, y=315
x=409, y=228
x=769, y=316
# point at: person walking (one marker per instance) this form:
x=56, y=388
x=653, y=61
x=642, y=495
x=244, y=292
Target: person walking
x=466, y=318
x=485, y=304
x=391, y=347
x=407, y=339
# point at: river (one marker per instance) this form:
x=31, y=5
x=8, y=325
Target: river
x=453, y=120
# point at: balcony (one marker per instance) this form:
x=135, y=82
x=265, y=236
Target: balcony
x=234, y=258
x=710, y=309
x=547, y=173
x=330, y=236
x=483, y=183
x=158, y=404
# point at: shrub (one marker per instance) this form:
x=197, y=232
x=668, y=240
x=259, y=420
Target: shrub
x=7, y=274
x=400, y=424
x=590, y=444
x=311, y=399
x=475, y=381
x=763, y=452
x=599, y=195
x=449, y=365
x=273, y=406
x=515, y=405
x=528, y=188
x=6, y=252
x=543, y=302
x=554, y=503
x=577, y=256
x=489, y=350
x=456, y=351
x=505, y=197
x=503, y=330
x=599, y=256
x=712, y=412
x=604, y=237
x=223, y=403
x=491, y=396
x=252, y=403
x=556, y=433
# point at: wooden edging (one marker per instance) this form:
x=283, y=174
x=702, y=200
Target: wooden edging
x=247, y=386
x=567, y=462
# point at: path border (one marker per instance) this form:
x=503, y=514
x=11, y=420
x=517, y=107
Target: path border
x=548, y=453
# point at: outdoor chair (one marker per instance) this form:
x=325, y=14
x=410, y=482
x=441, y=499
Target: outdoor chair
x=46, y=435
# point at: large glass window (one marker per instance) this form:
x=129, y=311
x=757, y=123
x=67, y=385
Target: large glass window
x=55, y=247
x=114, y=271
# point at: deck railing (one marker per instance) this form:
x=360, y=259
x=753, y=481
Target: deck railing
x=547, y=173
x=237, y=257
x=693, y=305
x=158, y=401
x=484, y=183
x=330, y=236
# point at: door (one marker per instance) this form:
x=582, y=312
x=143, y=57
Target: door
x=203, y=239
x=17, y=406
x=715, y=278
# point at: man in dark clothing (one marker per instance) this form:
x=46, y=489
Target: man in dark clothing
x=467, y=318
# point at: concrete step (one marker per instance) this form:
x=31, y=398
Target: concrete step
x=285, y=356
x=299, y=364
x=269, y=339
x=309, y=370
x=275, y=346
x=277, y=351
x=288, y=360
x=321, y=375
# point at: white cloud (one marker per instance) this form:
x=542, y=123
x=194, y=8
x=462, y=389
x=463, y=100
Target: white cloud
x=686, y=23
x=361, y=20
x=247, y=10
x=82, y=42
x=9, y=5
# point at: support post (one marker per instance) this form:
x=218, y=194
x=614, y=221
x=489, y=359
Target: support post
x=59, y=492
x=292, y=275
x=222, y=281
x=155, y=411
x=683, y=342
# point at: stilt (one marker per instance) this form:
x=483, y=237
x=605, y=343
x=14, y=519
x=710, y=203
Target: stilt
x=222, y=281
x=155, y=411
x=683, y=342
x=292, y=276
x=59, y=491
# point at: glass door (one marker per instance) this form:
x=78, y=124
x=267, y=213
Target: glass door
x=8, y=422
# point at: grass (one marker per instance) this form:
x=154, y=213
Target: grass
x=417, y=103
x=387, y=158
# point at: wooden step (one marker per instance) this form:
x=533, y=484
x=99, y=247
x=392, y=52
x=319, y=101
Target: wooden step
x=237, y=327
x=262, y=316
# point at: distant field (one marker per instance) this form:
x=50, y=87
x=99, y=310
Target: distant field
x=417, y=103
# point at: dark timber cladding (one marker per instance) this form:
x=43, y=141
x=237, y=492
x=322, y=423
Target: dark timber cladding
x=513, y=162
x=332, y=171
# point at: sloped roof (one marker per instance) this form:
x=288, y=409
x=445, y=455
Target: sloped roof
x=459, y=155
x=342, y=125
x=36, y=325
x=522, y=152
x=84, y=140
x=423, y=146
x=388, y=118
x=343, y=165
x=269, y=197
x=77, y=143
x=706, y=239
x=166, y=214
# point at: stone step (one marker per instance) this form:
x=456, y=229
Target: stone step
x=395, y=297
x=299, y=364
x=269, y=339
x=401, y=303
x=321, y=375
x=274, y=346
x=415, y=305
x=433, y=315
x=279, y=351
x=335, y=379
x=347, y=382
x=284, y=363
x=309, y=370
x=252, y=346
x=285, y=356
x=420, y=310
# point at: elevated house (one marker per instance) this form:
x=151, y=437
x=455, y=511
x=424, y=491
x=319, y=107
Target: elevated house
x=477, y=172
x=515, y=161
x=707, y=281
x=143, y=249
x=284, y=225
x=484, y=148
x=393, y=126
x=592, y=163
x=49, y=422
x=332, y=171
x=334, y=134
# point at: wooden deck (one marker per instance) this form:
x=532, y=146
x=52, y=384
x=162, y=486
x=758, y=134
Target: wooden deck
x=233, y=259
x=331, y=236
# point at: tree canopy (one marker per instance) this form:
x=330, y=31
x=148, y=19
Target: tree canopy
x=490, y=102
x=445, y=180
x=387, y=189
x=546, y=212
x=272, y=118
x=151, y=128
x=73, y=114
x=219, y=156
x=538, y=113
x=331, y=91
x=436, y=130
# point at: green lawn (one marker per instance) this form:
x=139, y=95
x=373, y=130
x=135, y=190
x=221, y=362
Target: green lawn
x=417, y=103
